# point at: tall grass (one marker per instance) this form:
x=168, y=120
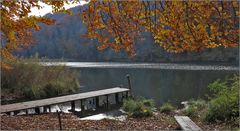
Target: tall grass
x=31, y=80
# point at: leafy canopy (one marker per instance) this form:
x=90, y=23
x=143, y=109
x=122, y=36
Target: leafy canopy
x=177, y=26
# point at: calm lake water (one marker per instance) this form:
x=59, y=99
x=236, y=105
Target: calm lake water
x=161, y=82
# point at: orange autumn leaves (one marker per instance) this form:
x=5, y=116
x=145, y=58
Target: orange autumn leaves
x=16, y=27
x=177, y=26
x=113, y=24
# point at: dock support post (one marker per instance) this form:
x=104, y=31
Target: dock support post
x=45, y=109
x=27, y=112
x=15, y=112
x=107, y=102
x=129, y=85
x=49, y=109
x=72, y=106
x=116, y=98
x=97, y=102
x=37, y=110
x=122, y=96
x=82, y=105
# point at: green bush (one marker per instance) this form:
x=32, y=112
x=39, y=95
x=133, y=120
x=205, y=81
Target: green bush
x=167, y=108
x=224, y=105
x=139, y=107
x=195, y=108
x=31, y=80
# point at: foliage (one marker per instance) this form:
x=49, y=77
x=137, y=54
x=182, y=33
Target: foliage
x=167, y=108
x=177, y=26
x=17, y=26
x=139, y=107
x=31, y=80
x=224, y=105
x=196, y=108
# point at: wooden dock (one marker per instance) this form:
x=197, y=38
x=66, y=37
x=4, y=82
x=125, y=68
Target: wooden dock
x=46, y=103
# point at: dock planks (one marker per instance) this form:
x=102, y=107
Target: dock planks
x=59, y=100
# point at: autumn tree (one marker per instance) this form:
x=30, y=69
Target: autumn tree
x=177, y=26
x=17, y=26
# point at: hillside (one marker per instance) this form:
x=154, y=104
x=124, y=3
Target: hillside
x=63, y=40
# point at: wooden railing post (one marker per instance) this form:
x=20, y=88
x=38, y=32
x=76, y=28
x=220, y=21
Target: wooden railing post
x=129, y=85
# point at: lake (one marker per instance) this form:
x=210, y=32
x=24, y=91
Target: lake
x=161, y=82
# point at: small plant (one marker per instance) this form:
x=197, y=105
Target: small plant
x=138, y=107
x=167, y=108
x=196, y=108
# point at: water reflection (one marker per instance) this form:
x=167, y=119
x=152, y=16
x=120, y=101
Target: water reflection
x=161, y=85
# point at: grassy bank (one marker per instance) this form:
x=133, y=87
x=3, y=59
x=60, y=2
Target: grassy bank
x=29, y=80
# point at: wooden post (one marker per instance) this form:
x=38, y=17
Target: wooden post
x=82, y=105
x=27, y=112
x=129, y=85
x=37, y=110
x=15, y=112
x=128, y=94
x=107, y=101
x=116, y=98
x=45, y=109
x=73, y=106
x=49, y=107
x=97, y=102
x=59, y=120
x=93, y=101
x=122, y=96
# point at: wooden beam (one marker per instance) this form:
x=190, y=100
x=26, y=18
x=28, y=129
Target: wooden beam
x=187, y=124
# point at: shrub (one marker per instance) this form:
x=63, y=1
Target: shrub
x=195, y=108
x=33, y=81
x=138, y=107
x=224, y=106
x=167, y=108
